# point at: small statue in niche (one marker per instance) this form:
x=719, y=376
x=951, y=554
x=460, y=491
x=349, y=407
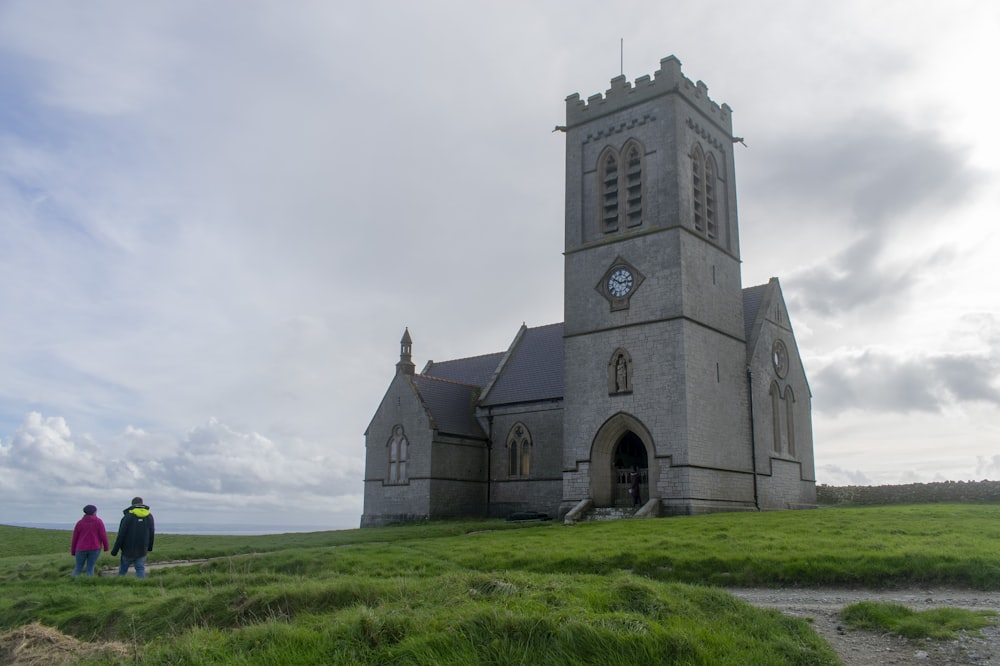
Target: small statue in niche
x=621, y=374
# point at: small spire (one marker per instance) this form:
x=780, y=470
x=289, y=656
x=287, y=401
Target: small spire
x=405, y=365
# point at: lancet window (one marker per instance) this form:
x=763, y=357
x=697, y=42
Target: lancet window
x=519, y=451
x=704, y=192
x=398, y=450
x=621, y=180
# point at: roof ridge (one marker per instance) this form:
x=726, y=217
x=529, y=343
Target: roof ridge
x=446, y=381
x=469, y=358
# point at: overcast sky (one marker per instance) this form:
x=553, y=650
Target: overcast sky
x=216, y=218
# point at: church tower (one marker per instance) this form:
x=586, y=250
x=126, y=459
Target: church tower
x=655, y=350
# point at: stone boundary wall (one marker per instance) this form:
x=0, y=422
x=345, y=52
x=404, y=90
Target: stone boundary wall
x=911, y=493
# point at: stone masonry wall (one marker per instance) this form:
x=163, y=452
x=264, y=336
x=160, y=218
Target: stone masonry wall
x=911, y=493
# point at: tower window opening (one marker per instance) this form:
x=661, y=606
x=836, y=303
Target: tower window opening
x=621, y=187
x=704, y=193
x=609, y=193
x=633, y=187
x=698, y=188
x=710, y=218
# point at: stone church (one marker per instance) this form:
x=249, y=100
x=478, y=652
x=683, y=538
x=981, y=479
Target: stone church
x=665, y=366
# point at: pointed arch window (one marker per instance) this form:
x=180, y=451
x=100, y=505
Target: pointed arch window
x=776, y=415
x=519, y=451
x=633, y=166
x=621, y=183
x=698, y=187
x=704, y=192
x=398, y=451
x=711, y=222
x=790, y=419
x=608, y=173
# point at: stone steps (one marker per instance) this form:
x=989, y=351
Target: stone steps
x=611, y=513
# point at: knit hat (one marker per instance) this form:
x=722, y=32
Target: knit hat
x=90, y=509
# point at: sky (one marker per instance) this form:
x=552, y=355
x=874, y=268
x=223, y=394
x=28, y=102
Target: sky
x=216, y=220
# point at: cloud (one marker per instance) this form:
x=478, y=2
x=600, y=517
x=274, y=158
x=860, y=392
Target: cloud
x=236, y=471
x=833, y=475
x=874, y=380
x=875, y=184
x=988, y=467
x=869, y=170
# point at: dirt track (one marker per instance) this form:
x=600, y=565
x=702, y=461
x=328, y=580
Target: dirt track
x=862, y=648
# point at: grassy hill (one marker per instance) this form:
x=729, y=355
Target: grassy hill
x=625, y=592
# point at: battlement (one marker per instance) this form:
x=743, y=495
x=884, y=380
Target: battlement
x=622, y=94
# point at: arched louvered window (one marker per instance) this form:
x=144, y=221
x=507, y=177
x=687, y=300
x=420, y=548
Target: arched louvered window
x=633, y=184
x=698, y=187
x=608, y=173
x=621, y=187
x=711, y=218
x=704, y=193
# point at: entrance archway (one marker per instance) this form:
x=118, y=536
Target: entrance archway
x=630, y=458
x=620, y=445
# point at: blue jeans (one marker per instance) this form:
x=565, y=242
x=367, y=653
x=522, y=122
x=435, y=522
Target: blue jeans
x=138, y=562
x=86, y=558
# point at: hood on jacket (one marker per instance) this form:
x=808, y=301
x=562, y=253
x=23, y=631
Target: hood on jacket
x=139, y=510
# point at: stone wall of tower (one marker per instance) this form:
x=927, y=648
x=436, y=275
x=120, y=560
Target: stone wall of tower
x=658, y=395
x=683, y=325
x=668, y=114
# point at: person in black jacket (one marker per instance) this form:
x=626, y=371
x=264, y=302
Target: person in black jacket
x=135, y=538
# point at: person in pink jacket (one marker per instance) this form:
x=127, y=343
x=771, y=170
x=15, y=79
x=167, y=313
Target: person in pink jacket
x=89, y=536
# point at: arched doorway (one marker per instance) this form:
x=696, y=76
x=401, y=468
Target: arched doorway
x=630, y=456
x=621, y=444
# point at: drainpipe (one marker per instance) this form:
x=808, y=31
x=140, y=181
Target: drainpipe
x=753, y=440
x=489, y=461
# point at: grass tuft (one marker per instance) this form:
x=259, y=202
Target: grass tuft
x=936, y=623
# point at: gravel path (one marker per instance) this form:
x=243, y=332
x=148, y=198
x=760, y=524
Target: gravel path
x=863, y=648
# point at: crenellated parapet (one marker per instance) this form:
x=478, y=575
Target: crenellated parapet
x=667, y=80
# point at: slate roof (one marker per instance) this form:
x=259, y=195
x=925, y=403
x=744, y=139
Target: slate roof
x=476, y=370
x=533, y=370
x=530, y=371
x=752, y=298
x=450, y=405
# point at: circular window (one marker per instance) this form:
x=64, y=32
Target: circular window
x=779, y=357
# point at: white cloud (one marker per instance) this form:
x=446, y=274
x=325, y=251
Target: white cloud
x=48, y=468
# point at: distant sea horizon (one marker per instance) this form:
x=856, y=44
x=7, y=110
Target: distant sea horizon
x=217, y=529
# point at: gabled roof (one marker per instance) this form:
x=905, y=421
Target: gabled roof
x=532, y=370
x=450, y=405
x=475, y=370
x=752, y=298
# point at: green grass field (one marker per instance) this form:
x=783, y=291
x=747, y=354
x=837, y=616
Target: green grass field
x=623, y=592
